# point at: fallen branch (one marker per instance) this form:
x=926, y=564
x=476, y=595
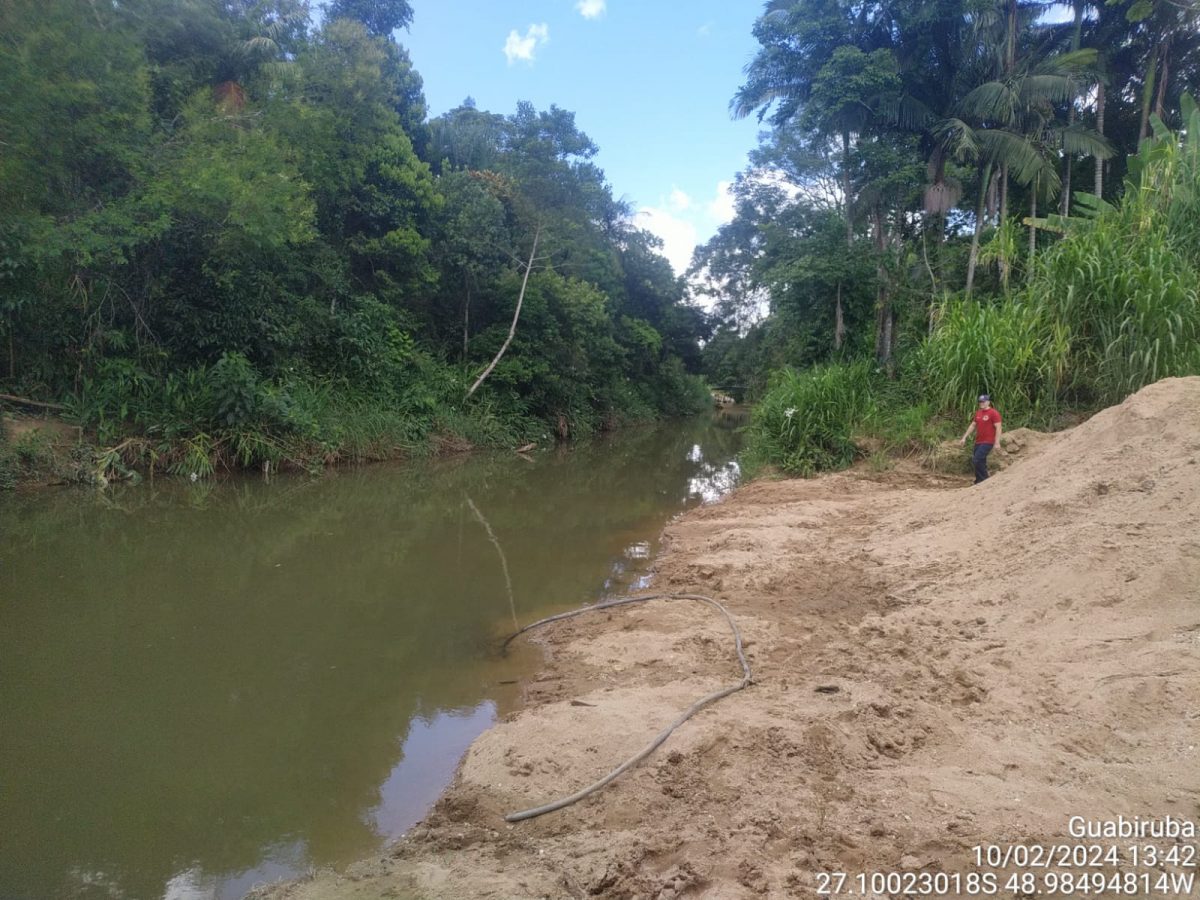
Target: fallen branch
x=25, y=401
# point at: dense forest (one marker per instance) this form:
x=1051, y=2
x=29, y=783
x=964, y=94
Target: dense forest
x=953, y=197
x=232, y=235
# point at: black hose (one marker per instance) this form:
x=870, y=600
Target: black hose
x=666, y=732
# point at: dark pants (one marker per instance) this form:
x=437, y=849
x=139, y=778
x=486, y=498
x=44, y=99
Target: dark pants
x=979, y=458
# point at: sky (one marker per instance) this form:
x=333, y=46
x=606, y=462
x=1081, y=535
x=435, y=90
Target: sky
x=649, y=82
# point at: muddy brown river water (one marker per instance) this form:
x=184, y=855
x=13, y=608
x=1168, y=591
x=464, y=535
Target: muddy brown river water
x=208, y=686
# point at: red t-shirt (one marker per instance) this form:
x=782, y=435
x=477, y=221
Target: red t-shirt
x=986, y=421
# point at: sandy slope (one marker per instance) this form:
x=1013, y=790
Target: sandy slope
x=936, y=666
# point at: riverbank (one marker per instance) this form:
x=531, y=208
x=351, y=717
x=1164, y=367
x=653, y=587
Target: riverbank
x=44, y=450
x=936, y=667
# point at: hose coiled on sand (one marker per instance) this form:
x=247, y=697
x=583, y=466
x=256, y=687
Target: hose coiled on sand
x=666, y=732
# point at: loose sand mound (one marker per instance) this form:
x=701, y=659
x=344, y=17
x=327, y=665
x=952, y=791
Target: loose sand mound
x=937, y=666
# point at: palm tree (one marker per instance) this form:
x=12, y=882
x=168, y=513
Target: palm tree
x=1009, y=124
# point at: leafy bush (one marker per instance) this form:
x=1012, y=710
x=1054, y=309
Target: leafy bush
x=112, y=397
x=674, y=392
x=805, y=422
x=237, y=396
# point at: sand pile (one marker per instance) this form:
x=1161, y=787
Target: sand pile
x=938, y=666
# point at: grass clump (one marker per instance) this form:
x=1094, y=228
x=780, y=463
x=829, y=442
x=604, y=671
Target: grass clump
x=9, y=472
x=30, y=456
x=901, y=426
x=806, y=421
x=1009, y=350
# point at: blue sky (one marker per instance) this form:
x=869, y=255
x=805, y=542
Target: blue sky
x=648, y=80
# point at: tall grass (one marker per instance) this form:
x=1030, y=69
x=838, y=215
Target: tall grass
x=1124, y=287
x=1131, y=318
x=903, y=427
x=806, y=420
x=1111, y=307
x=1009, y=350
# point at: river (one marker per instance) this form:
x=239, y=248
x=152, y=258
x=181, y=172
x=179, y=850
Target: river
x=206, y=686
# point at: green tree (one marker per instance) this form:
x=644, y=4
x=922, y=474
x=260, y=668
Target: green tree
x=380, y=17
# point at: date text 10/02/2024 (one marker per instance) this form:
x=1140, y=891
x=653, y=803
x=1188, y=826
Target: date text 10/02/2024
x=1125, y=856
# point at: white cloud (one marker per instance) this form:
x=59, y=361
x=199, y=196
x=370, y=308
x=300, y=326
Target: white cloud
x=591, y=9
x=704, y=30
x=678, y=235
x=517, y=47
x=721, y=208
x=682, y=222
x=679, y=199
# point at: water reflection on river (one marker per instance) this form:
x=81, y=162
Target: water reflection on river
x=206, y=686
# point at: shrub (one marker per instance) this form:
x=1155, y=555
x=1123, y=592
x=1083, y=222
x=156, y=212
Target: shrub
x=805, y=422
x=676, y=393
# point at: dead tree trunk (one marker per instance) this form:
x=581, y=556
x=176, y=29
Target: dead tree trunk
x=973, y=256
x=466, y=315
x=883, y=296
x=839, y=323
x=512, y=329
x=1032, y=219
x=1162, y=78
x=1148, y=93
x=1099, y=187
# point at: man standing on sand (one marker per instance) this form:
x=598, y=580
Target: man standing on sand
x=986, y=426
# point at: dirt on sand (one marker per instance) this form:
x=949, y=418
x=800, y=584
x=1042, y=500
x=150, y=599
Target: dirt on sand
x=935, y=667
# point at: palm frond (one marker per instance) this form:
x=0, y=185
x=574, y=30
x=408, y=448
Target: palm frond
x=261, y=45
x=1025, y=160
x=904, y=110
x=958, y=138
x=1073, y=62
x=1055, y=88
x=746, y=101
x=984, y=17
x=992, y=101
x=1079, y=140
x=778, y=8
